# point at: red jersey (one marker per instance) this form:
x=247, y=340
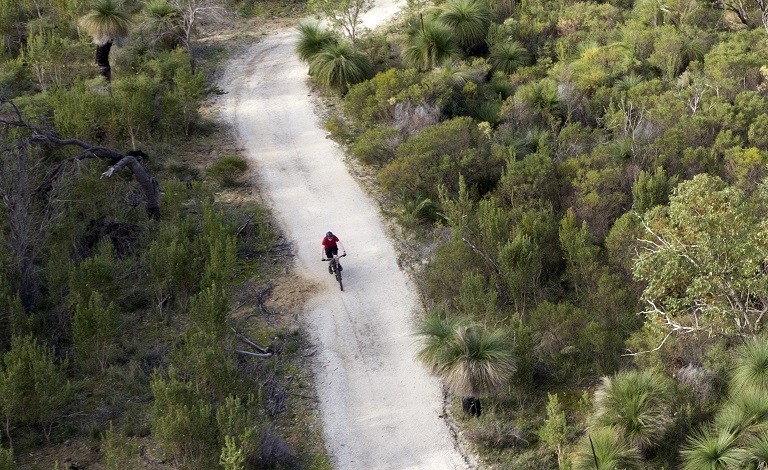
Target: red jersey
x=330, y=243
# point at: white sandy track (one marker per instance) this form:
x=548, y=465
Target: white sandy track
x=380, y=409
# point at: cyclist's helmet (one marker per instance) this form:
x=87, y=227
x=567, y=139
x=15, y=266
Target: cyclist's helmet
x=329, y=234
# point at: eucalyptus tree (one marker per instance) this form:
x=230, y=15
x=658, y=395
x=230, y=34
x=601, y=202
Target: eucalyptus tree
x=108, y=25
x=699, y=282
x=344, y=15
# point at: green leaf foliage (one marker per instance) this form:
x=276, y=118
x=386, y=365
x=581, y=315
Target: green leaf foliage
x=437, y=155
x=34, y=389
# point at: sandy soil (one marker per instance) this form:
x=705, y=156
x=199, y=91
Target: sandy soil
x=380, y=409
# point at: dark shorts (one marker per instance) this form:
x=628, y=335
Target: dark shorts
x=329, y=252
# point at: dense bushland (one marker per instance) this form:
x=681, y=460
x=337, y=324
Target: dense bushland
x=118, y=324
x=595, y=177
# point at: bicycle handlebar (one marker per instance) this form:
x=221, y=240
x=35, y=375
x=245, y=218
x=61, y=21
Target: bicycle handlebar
x=328, y=259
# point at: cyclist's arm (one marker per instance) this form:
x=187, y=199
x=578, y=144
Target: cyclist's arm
x=342, y=247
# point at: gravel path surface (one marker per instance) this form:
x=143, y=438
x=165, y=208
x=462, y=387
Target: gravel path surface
x=380, y=409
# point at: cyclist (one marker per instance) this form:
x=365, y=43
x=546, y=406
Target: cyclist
x=330, y=248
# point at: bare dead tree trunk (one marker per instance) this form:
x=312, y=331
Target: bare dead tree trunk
x=36, y=135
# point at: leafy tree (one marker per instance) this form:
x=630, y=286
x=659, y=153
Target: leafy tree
x=696, y=281
x=107, y=24
x=344, y=15
x=580, y=253
x=94, y=330
x=240, y=427
x=135, y=100
x=119, y=452
x=339, y=65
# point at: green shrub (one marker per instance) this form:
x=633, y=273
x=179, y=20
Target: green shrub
x=376, y=146
x=437, y=155
x=181, y=423
x=227, y=170
x=119, y=451
x=6, y=459
x=33, y=389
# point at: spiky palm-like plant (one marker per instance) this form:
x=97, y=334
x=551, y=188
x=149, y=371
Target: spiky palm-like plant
x=313, y=37
x=435, y=332
x=751, y=367
x=165, y=22
x=711, y=450
x=429, y=44
x=478, y=362
x=469, y=20
x=628, y=82
x=606, y=449
x=107, y=24
x=754, y=454
x=744, y=410
x=509, y=56
x=472, y=361
x=339, y=65
x=638, y=403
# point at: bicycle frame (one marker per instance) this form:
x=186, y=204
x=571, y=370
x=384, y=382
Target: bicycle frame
x=335, y=267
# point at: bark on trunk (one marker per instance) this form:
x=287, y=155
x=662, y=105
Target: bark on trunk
x=471, y=406
x=102, y=60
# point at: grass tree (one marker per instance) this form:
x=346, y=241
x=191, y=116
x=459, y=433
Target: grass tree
x=711, y=449
x=469, y=20
x=107, y=24
x=313, y=38
x=436, y=331
x=750, y=369
x=429, y=43
x=339, y=65
x=164, y=22
x=639, y=403
x=509, y=56
x=606, y=448
x=473, y=361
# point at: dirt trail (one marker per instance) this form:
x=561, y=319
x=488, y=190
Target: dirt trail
x=380, y=409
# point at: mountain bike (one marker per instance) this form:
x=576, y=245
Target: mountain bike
x=336, y=268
